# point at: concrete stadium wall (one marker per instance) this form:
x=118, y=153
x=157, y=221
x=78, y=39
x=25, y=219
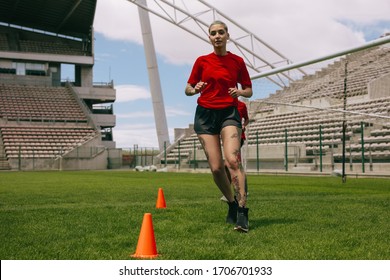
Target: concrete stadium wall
x=28, y=164
x=114, y=158
x=26, y=80
x=99, y=162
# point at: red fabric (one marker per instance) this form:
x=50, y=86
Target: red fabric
x=243, y=111
x=220, y=73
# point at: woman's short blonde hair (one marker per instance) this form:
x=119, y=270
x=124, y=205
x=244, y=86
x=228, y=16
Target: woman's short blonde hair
x=219, y=22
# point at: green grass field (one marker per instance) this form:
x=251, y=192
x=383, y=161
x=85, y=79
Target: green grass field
x=97, y=215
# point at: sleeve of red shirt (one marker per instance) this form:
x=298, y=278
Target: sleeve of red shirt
x=196, y=74
x=245, y=79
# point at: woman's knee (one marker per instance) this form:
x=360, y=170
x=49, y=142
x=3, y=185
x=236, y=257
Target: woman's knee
x=217, y=170
x=233, y=163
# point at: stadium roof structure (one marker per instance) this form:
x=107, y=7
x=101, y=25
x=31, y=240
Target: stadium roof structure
x=258, y=55
x=70, y=18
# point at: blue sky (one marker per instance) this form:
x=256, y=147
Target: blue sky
x=124, y=62
x=300, y=29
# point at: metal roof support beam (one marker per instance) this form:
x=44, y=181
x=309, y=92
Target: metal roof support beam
x=68, y=15
x=248, y=44
x=278, y=70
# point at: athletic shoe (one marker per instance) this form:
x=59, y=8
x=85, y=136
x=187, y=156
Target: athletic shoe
x=242, y=224
x=223, y=198
x=231, y=217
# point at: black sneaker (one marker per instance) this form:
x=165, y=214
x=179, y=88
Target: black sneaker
x=231, y=217
x=242, y=224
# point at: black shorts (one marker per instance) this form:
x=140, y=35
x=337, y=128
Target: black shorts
x=211, y=121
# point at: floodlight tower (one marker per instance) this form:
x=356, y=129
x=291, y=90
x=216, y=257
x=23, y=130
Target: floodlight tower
x=154, y=78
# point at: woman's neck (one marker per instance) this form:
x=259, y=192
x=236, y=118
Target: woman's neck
x=220, y=51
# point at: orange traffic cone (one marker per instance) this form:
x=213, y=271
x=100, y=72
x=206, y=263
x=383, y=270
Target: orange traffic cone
x=146, y=247
x=160, y=199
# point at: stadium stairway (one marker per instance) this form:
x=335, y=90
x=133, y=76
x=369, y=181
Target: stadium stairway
x=4, y=165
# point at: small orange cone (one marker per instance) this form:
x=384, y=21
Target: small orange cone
x=146, y=247
x=160, y=199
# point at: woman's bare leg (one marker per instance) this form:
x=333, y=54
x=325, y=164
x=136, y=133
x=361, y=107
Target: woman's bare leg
x=231, y=140
x=212, y=148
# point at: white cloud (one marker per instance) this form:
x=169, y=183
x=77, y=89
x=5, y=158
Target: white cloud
x=135, y=115
x=141, y=134
x=128, y=135
x=174, y=112
x=126, y=93
x=299, y=29
x=117, y=20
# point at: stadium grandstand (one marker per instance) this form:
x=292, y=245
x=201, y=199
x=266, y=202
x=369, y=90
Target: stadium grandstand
x=336, y=115
x=47, y=123
x=300, y=127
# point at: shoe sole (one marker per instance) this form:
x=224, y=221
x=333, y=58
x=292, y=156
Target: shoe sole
x=241, y=229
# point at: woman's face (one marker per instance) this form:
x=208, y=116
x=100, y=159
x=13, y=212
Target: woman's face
x=218, y=36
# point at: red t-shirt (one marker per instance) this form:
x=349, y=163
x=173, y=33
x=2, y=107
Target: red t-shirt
x=220, y=73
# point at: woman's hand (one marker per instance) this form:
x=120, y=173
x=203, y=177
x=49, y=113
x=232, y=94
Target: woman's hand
x=234, y=92
x=192, y=90
x=200, y=86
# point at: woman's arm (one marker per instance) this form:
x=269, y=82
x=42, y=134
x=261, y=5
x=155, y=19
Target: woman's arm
x=192, y=90
x=246, y=92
